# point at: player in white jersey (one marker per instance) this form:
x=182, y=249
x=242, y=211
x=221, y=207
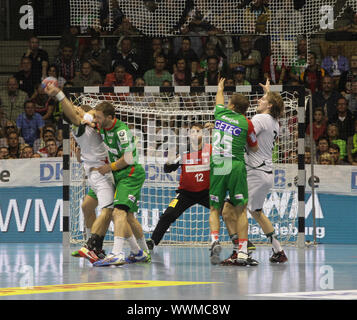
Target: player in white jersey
x=260, y=171
x=93, y=155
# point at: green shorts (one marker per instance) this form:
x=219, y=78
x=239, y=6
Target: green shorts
x=228, y=177
x=128, y=184
x=92, y=194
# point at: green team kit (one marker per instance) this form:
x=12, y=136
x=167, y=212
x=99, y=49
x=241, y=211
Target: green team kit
x=232, y=131
x=128, y=181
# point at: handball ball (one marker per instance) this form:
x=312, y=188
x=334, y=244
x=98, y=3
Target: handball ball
x=48, y=80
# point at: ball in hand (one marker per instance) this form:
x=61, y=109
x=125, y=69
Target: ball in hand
x=48, y=80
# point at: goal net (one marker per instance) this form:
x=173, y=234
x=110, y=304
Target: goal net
x=284, y=21
x=159, y=118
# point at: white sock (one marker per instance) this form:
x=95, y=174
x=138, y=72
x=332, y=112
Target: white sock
x=118, y=245
x=214, y=236
x=274, y=242
x=276, y=245
x=243, y=245
x=142, y=243
x=134, y=247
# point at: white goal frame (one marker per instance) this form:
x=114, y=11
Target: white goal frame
x=299, y=91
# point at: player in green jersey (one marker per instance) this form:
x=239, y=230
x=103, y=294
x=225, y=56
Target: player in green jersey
x=93, y=151
x=129, y=176
x=232, y=132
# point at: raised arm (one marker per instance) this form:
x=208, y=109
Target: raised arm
x=68, y=108
x=219, y=94
x=266, y=87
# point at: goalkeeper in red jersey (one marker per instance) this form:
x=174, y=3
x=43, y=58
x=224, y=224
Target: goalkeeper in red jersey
x=194, y=182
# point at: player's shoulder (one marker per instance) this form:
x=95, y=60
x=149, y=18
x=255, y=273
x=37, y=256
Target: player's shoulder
x=265, y=117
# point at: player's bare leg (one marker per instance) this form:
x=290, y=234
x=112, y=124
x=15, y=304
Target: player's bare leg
x=101, y=224
x=93, y=250
x=214, y=232
x=230, y=220
x=230, y=217
x=137, y=231
x=89, y=205
x=268, y=229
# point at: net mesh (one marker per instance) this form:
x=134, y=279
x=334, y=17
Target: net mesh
x=160, y=123
x=283, y=21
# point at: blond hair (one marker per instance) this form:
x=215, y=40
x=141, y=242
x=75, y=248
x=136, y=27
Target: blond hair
x=277, y=103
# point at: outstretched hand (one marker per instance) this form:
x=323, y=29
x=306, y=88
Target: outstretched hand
x=266, y=87
x=221, y=83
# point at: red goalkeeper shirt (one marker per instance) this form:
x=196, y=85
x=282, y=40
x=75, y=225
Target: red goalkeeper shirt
x=195, y=169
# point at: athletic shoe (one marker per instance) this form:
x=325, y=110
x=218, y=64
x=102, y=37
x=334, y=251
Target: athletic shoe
x=148, y=259
x=142, y=256
x=251, y=246
x=242, y=259
x=215, y=251
x=111, y=260
x=75, y=254
x=151, y=244
x=230, y=261
x=88, y=254
x=278, y=257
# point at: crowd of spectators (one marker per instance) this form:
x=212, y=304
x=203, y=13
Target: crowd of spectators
x=28, y=116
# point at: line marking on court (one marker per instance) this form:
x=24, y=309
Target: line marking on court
x=327, y=294
x=94, y=286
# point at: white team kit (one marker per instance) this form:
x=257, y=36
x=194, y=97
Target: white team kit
x=260, y=164
x=94, y=155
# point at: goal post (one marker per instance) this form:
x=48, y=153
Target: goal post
x=159, y=118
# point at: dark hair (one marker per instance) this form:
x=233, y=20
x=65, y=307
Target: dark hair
x=344, y=98
x=26, y=58
x=322, y=138
x=319, y=109
x=213, y=57
x=53, y=66
x=125, y=38
x=107, y=108
x=52, y=139
x=85, y=61
x=313, y=54
x=28, y=101
x=335, y=146
x=240, y=103
x=160, y=56
x=119, y=66
x=45, y=131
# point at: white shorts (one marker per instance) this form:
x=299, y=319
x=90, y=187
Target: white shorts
x=103, y=186
x=259, y=184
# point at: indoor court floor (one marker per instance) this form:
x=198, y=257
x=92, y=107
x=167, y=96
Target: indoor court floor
x=48, y=272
